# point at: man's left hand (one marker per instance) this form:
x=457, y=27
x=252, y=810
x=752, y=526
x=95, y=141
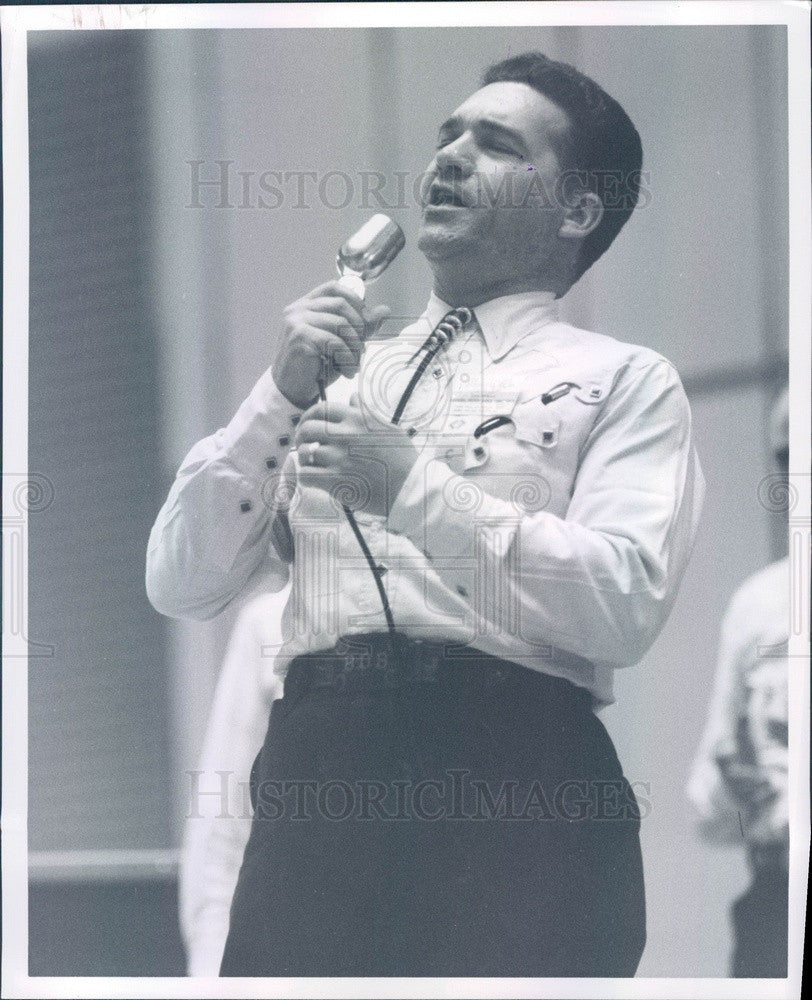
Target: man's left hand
x=351, y=454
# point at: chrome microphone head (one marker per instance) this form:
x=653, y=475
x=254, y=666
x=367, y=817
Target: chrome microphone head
x=372, y=249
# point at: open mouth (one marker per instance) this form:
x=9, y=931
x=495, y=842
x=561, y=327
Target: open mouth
x=446, y=197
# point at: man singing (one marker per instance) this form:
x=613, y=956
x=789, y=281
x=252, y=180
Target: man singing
x=436, y=795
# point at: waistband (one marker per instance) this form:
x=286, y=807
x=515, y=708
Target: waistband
x=378, y=662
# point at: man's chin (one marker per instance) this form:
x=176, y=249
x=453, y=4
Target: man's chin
x=438, y=239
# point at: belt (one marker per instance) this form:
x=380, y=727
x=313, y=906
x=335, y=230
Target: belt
x=380, y=662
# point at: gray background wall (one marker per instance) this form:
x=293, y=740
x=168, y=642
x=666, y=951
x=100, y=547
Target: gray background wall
x=699, y=274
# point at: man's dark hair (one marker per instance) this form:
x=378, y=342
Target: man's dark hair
x=601, y=145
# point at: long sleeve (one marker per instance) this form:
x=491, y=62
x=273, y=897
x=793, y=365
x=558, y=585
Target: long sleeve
x=216, y=529
x=599, y=582
x=219, y=817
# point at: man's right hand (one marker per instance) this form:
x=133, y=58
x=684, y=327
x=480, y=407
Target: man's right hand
x=323, y=337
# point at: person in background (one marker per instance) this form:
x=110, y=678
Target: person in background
x=218, y=819
x=738, y=784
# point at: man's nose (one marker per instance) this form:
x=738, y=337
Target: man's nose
x=456, y=158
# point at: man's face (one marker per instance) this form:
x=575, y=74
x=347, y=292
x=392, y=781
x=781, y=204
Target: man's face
x=489, y=195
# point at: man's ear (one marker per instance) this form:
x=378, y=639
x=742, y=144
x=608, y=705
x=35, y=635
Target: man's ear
x=583, y=214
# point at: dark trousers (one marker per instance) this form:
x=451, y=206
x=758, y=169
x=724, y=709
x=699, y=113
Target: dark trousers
x=760, y=926
x=472, y=823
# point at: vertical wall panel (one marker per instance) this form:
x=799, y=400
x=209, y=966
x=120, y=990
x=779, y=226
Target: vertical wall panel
x=98, y=713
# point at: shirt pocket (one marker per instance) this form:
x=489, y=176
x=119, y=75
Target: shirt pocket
x=593, y=391
x=513, y=462
x=543, y=462
x=465, y=442
x=542, y=429
x=549, y=436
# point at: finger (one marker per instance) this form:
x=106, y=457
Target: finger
x=317, y=478
x=323, y=411
x=335, y=305
x=338, y=326
x=367, y=322
x=316, y=432
x=322, y=477
x=333, y=352
x=363, y=419
x=320, y=456
x=371, y=317
x=333, y=288
x=339, y=428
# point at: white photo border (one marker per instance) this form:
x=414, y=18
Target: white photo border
x=16, y=22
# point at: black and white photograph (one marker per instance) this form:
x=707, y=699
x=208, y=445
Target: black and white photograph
x=406, y=536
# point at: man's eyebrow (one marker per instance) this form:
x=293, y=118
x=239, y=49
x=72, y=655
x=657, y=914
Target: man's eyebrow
x=450, y=124
x=455, y=124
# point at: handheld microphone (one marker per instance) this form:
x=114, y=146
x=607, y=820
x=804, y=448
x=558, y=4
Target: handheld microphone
x=361, y=258
x=367, y=253
x=365, y=256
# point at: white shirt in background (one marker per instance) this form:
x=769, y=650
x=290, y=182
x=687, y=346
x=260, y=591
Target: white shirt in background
x=747, y=718
x=217, y=825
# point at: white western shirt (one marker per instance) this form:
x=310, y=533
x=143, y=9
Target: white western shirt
x=557, y=540
x=748, y=715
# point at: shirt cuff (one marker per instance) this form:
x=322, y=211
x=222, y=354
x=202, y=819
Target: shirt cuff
x=259, y=436
x=251, y=450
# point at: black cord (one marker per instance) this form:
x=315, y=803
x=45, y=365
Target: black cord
x=448, y=326
x=418, y=374
x=376, y=573
x=387, y=610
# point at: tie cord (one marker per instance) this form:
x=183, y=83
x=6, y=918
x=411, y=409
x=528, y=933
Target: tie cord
x=448, y=327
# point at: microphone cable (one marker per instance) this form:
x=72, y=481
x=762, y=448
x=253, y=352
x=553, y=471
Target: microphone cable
x=362, y=543
x=448, y=327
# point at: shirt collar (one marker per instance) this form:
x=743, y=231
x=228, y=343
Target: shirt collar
x=504, y=321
